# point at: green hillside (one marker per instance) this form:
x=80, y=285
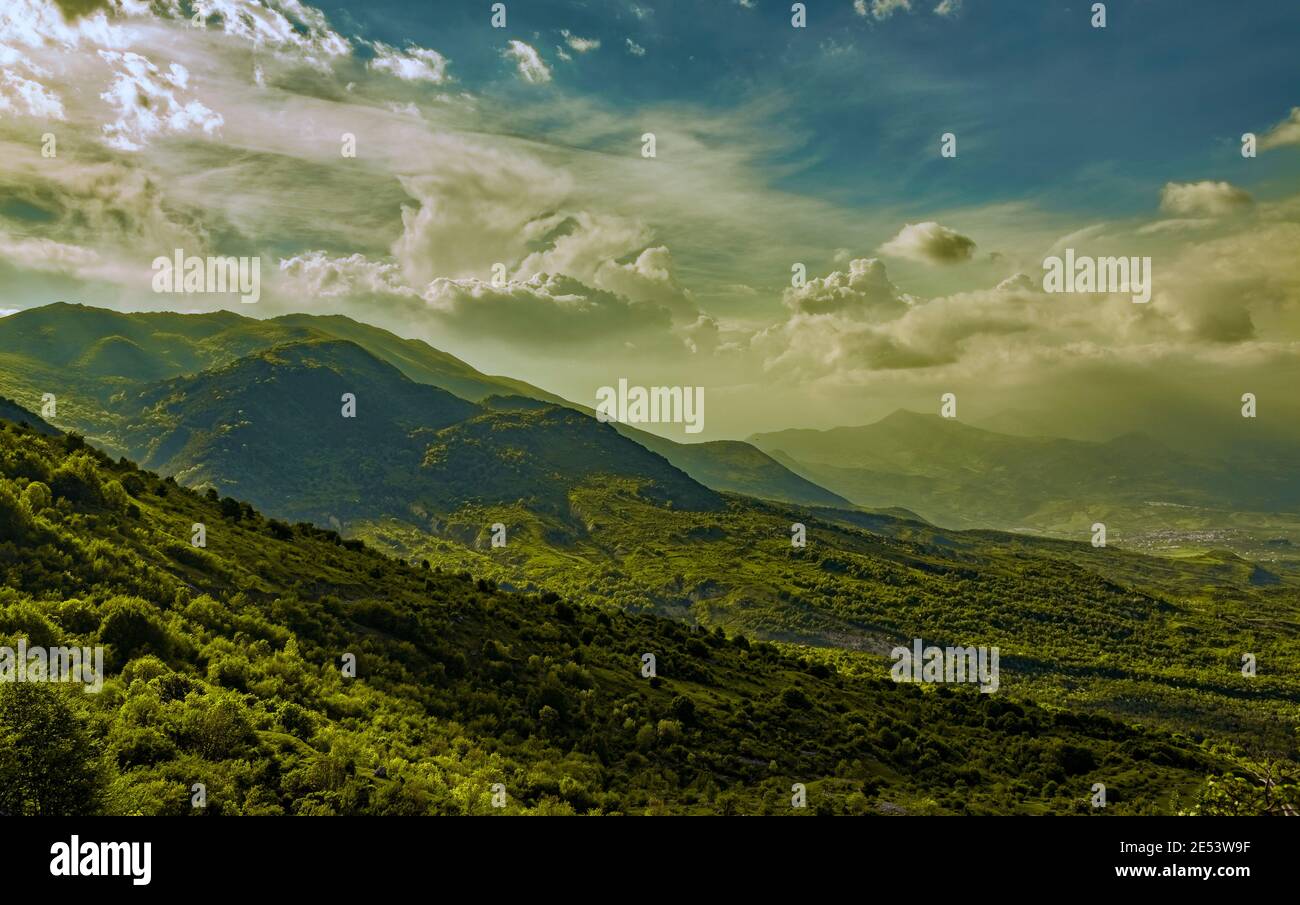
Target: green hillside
x=225, y=668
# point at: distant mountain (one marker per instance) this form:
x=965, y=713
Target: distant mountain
x=963, y=476
x=97, y=358
x=737, y=467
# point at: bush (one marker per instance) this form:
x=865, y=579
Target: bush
x=77, y=481
x=131, y=627
x=15, y=518
x=37, y=496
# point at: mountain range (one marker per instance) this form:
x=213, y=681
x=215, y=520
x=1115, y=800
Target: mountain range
x=1149, y=495
x=335, y=424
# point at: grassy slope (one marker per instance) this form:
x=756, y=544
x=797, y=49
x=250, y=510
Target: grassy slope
x=224, y=669
x=1149, y=639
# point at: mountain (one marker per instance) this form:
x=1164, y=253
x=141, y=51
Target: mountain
x=224, y=662
x=271, y=427
x=954, y=474
x=94, y=358
x=738, y=468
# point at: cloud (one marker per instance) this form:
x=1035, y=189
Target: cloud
x=1205, y=198
x=864, y=293
x=580, y=45
x=547, y=310
x=147, y=102
x=414, y=64
x=1287, y=132
x=948, y=8
x=634, y=48
x=24, y=96
x=529, y=63
x=287, y=27
x=881, y=9
x=477, y=206
x=929, y=243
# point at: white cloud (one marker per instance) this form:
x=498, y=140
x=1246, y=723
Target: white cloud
x=1287, y=132
x=863, y=293
x=287, y=27
x=634, y=48
x=529, y=63
x=929, y=243
x=1205, y=198
x=414, y=64
x=146, y=102
x=580, y=45
x=23, y=96
x=881, y=9
x=478, y=206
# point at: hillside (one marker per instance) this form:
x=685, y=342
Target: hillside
x=1149, y=495
x=224, y=668
x=11, y=411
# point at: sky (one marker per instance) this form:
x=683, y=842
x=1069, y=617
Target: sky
x=500, y=204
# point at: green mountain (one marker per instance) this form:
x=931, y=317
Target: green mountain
x=271, y=428
x=231, y=665
x=97, y=361
x=1149, y=495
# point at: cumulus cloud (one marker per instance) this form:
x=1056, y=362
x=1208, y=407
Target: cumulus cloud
x=929, y=243
x=149, y=102
x=881, y=9
x=477, y=206
x=863, y=293
x=634, y=48
x=580, y=45
x=414, y=64
x=1203, y=199
x=286, y=27
x=545, y=310
x=1287, y=132
x=528, y=62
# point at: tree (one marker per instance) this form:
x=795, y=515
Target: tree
x=47, y=765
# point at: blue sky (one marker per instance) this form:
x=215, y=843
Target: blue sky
x=1044, y=105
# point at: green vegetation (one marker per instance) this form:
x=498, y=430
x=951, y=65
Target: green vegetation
x=225, y=669
x=520, y=664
